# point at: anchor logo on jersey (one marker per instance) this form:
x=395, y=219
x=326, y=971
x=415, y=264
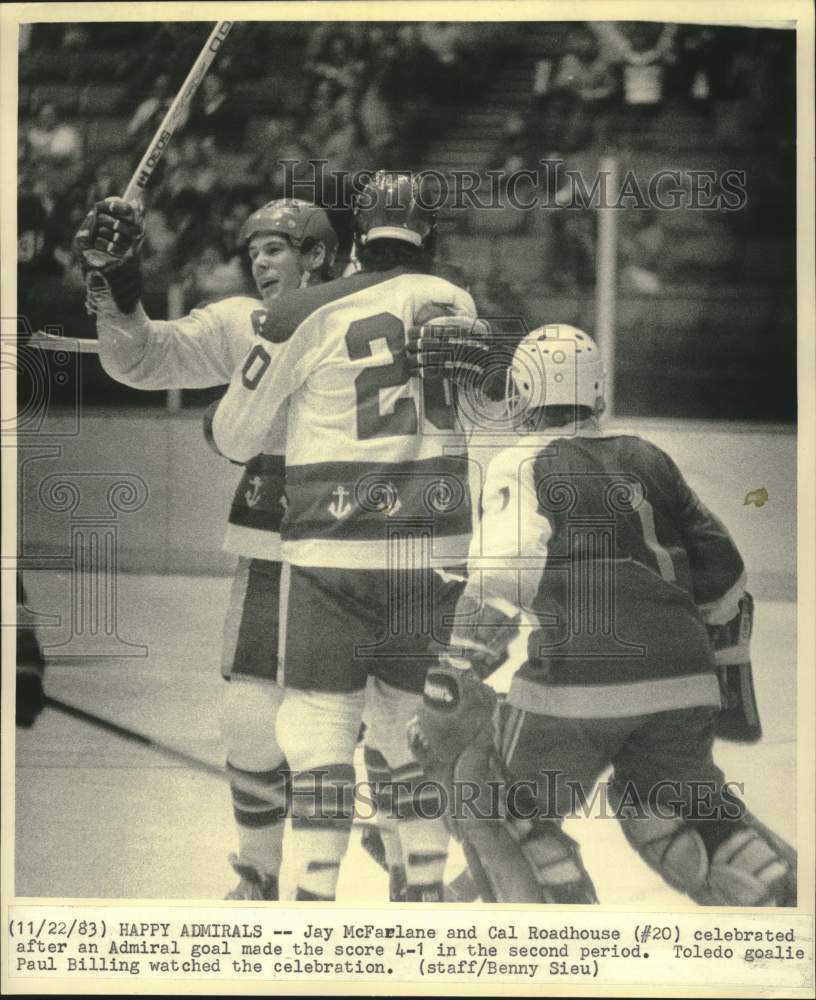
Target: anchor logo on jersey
x=253, y=496
x=340, y=506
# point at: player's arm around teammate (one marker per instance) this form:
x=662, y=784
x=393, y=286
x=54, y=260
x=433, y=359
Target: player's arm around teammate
x=291, y=244
x=357, y=417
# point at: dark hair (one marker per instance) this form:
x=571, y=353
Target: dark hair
x=326, y=272
x=385, y=255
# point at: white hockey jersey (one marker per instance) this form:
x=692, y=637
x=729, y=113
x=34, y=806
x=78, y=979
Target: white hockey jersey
x=368, y=448
x=201, y=350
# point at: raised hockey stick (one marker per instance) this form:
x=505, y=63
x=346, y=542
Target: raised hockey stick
x=155, y=150
x=170, y=122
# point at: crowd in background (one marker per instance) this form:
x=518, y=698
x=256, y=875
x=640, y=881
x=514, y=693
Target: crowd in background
x=357, y=96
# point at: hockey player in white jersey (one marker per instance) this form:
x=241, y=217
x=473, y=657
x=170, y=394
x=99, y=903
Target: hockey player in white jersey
x=378, y=500
x=291, y=245
x=637, y=656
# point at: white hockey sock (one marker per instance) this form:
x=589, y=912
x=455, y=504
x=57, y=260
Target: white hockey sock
x=322, y=812
x=260, y=817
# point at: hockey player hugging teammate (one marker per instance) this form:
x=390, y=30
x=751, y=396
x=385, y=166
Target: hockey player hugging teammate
x=291, y=245
x=377, y=502
x=636, y=593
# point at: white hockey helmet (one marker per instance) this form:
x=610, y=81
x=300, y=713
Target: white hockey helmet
x=555, y=365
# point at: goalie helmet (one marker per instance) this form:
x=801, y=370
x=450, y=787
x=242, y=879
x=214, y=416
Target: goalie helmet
x=396, y=206
x=556, y=365
x=296, y=220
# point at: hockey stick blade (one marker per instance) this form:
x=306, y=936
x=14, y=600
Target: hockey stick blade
x=42, y=341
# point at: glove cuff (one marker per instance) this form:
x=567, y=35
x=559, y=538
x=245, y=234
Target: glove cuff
x=125, y=283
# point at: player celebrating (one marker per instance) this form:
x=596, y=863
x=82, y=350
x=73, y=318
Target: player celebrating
x=375, y=497
x=638, y=595
x=291, y=244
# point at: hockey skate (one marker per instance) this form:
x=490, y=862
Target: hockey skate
x=252, y=885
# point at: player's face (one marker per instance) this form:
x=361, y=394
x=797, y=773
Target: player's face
x=276, y=266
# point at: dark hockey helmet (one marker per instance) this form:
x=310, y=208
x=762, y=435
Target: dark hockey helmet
x=296, y=220
x=395, y=205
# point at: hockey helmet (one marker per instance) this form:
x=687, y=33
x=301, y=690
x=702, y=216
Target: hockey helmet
x=555, y=365
x=396, y=206
x=296, y=220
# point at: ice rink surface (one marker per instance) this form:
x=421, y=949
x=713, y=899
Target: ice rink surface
x=100, y=817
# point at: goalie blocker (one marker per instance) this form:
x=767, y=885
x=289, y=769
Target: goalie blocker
x=739, y=719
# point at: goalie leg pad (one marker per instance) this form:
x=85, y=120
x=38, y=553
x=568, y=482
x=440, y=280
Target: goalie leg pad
x=511, y=860
x=669, y=846
x=747, y=870
x=555, y=861
x=494, y=855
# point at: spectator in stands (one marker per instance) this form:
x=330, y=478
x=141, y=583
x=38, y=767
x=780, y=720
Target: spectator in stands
x=347, y=148
x=642, y=247
x=187, y=218
x=320, y=122
x=573, y=240
x=336, y=63
x=694, y=74
x=447, y=40
x=214, y=115
x=191, y=166
x=512, y=150
x=642, y=51
x=279, y=143
x=373, y=104
x=158, y=252
x=54, y=142
x=150, y=112
x=109, y=178
x=409, y=89
x=569, y=100
x=496, y=300
x=212, y=275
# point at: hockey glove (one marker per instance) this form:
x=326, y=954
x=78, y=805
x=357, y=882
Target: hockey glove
x=454, y=347
x=456, y=712
x=109, y=243
x=30, y=695
x=483, y=640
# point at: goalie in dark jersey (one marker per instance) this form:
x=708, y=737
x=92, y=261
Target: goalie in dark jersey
x=638, y=626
